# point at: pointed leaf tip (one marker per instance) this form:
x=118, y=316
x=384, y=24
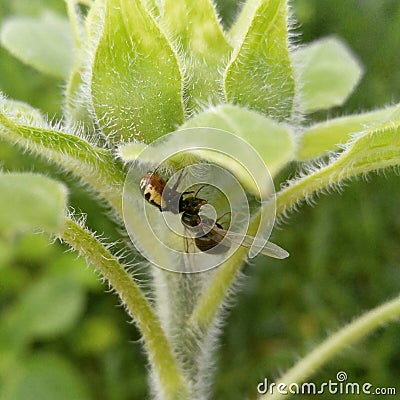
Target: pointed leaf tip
x=136, y=80
x=260, y=74
x=329, y=72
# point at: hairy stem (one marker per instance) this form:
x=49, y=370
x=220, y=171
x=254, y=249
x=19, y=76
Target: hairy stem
x=210, y=302
x=176, y=296
x=94, y=165
x=165, y=366
x=305, y=187
x=377, y=148
x=351, y=333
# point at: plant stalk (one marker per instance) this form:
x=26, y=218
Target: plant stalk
x=169, y=376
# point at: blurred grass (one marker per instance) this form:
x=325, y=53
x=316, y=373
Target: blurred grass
x=345, y=252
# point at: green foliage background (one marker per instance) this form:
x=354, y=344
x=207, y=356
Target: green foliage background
x=345, y=255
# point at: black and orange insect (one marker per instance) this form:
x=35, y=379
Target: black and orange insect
x=209, y=235
x=159, y=194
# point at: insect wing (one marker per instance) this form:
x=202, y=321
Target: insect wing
x=273, y=250
x=268, y=249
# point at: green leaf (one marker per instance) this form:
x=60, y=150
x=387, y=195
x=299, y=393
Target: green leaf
x=22, y=112
x=376, y=148
x=328, y=73
x=29, y=202
x=155, y=7
x=331, y=134
x=45, y=43
x=46, y=377
x=94, y=165
x=94, y=20
x=131, y=151
x=242, y=23
x=51, y=306
x=77, y=105
x=77, y=108
x=271, y=140
x=203, y=48
x=136, y=80
x=260, y=74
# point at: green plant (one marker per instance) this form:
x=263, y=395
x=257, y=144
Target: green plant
x=192, y=75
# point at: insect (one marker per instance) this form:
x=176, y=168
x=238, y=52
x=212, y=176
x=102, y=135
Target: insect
x=203, y=229
x=157, y=193
x=209, y=235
